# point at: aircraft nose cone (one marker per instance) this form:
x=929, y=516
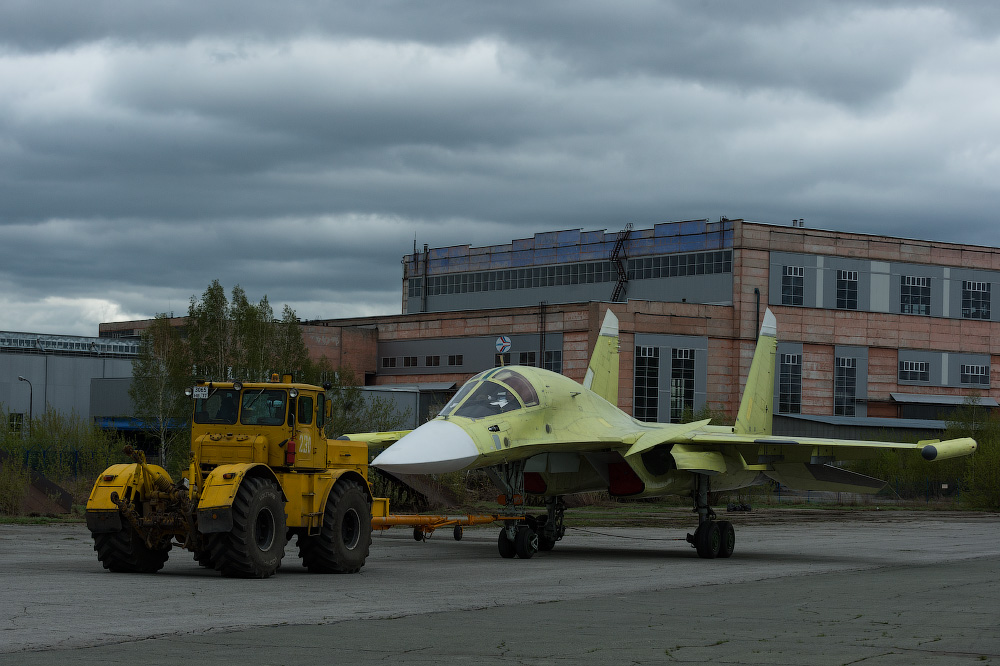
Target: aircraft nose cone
x=434, y=448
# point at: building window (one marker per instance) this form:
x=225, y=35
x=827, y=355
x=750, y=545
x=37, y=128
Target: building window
x=914, y=371
x=790, y=384
x=681, y=384
x=976, y=374
x=552, y=360
x=409, y=361
x=792, y=278
x=500, y=360
x=647, y=383
x=526, y=358
x=975, y=300
x=914, y=295
x=456, y=359
x=847, y=290
x=388, y=361
x=432, y=361
x=845, y=382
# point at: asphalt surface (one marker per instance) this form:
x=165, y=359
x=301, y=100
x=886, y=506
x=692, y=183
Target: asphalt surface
x=901, y=589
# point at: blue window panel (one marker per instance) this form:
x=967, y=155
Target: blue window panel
x=667, y=245
x=692, y=227
x=591, y=237
x=522, y=257
x=546, y=256
x=546, y=240
x=523, y=244
x=666, y=229
x=640, y=246
x=692, y=243
x=571, y=237
x=568, y=254
x=500, y=260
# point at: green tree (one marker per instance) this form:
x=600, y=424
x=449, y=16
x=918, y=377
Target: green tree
x=232, y=338
x=160, y=373
x=981, y=477
x=353, y=411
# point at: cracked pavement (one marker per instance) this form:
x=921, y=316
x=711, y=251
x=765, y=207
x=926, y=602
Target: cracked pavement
x=908, y=588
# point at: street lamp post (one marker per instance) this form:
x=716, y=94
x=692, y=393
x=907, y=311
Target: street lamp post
x=31, y=395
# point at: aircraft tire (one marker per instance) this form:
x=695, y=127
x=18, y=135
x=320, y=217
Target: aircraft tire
x=526, y=542
x=708, y=540
x=505, y=545
x=457, y=533
x=728, y=539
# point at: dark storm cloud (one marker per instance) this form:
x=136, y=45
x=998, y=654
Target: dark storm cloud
x=146, y=149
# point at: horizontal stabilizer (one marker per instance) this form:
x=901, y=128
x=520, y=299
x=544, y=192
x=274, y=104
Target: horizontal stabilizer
x=803, y=476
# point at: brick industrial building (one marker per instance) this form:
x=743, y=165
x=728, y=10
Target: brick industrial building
x=869, y=327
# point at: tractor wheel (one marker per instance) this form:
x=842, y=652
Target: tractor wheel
x=204, y=558
x=125, y=551
x=256, y=544
x=346, y=535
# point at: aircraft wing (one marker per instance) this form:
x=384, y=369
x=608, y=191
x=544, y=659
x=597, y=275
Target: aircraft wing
x=823, y=447
x=376, y=440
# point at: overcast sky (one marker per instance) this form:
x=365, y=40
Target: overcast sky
x=147, y=148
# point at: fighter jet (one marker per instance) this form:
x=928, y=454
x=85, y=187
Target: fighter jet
x=540, y=433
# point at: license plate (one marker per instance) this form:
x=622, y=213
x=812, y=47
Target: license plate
x=200, y=393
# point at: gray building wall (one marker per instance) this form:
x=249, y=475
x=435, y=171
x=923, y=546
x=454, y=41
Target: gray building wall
x=59, y=382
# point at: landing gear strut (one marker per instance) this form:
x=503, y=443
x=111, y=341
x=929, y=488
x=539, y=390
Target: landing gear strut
x=713, y=538
x=518, y=537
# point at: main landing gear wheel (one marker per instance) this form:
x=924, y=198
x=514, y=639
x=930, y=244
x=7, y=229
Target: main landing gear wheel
x=727, y=539
x=708, y=539
x=526, y=542
x=505, y=545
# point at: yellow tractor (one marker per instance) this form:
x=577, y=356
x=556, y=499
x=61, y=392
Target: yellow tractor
x=262, y=470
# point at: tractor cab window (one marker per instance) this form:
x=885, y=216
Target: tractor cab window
x=264, y=407
x=488, y=399
x=220, y=406
x=304, y=413
x=520, y=385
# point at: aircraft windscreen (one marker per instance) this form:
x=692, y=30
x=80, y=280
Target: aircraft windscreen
x=488, y=399
x=458, y=397
x=520, y=385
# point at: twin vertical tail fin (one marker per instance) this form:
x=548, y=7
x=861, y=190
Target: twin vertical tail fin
x=602, y=373
x=756, y=406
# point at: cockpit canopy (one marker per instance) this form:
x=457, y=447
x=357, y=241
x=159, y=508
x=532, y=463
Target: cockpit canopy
x=492, y=392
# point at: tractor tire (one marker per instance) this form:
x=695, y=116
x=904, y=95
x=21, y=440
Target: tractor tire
x=256, y=544
x=204, y=558
x=125, y=551
x=346, y=535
